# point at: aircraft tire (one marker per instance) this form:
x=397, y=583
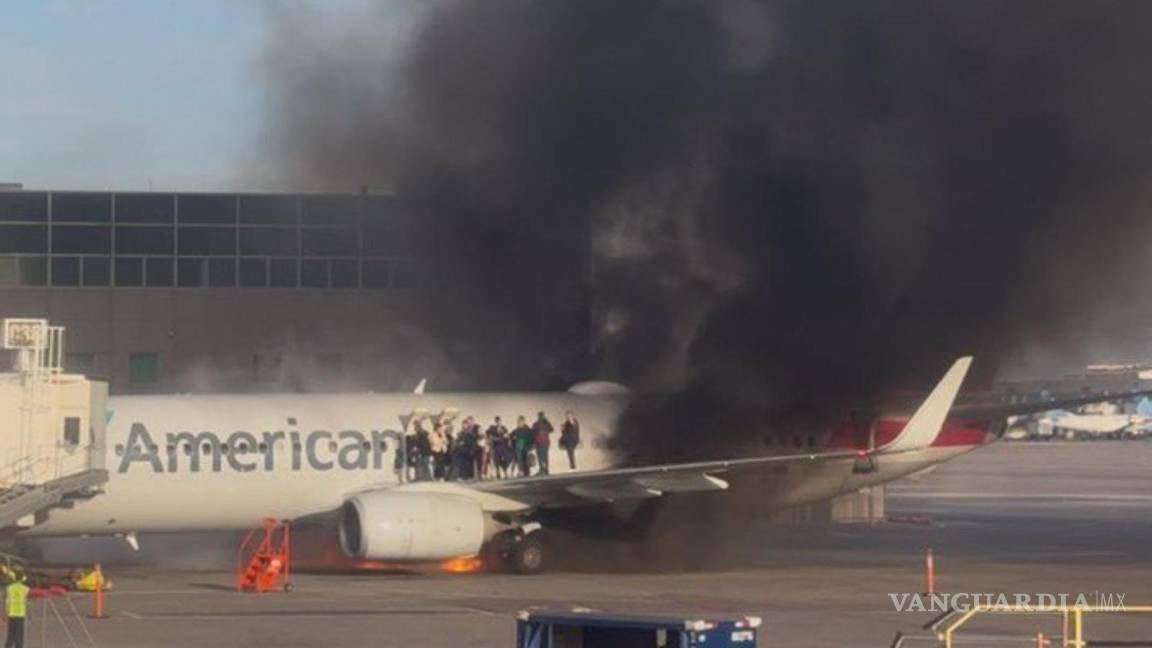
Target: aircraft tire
x=496, y=554
x=530, y=555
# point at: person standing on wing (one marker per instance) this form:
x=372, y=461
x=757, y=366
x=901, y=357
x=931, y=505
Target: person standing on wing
x=522, y=444
x=542, y=431
x=570, y=437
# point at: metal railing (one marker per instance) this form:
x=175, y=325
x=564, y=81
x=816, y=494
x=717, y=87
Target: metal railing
x=27, y=470
x=947, y=628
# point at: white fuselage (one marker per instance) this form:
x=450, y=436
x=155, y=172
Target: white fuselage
x=190, y=463
x=179, y=463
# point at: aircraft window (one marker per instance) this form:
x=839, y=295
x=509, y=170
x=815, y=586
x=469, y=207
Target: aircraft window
x=296, y=446
x=188, y=448
x=207, y=449
x=332, y=447
x=242, y=447
x=152, y=448
x=263, y=447
x=119, y=448
x=796, y=442
x=811, y=441
x=170, y=448
x=224, y=448
x=367, y=445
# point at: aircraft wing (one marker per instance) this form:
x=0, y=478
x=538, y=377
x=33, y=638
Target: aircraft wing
x=638, y=483
x=654, y=481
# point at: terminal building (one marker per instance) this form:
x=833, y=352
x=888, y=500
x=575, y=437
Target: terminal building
x=197, y=292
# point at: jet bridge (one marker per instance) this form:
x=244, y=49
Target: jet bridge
x=51, y=427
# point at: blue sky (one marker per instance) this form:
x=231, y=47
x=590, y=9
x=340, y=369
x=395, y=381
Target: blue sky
x=127, y=94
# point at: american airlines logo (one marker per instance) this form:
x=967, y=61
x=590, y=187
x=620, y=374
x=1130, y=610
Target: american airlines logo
x=246, y=452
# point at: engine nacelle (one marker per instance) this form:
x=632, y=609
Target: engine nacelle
x=386, y=525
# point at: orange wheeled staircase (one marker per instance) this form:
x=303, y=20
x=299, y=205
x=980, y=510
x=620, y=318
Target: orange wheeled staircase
x=263, y=561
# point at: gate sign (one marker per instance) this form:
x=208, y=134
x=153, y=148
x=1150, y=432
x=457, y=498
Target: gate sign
x=25, y=333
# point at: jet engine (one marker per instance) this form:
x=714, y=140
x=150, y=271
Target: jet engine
x=385, y=525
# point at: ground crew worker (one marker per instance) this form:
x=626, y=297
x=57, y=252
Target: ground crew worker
x=16, y=607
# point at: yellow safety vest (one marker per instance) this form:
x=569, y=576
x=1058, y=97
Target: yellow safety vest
x=16, y=598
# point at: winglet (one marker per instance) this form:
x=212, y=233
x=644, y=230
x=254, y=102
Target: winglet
x=925, y=424
x=419, y=391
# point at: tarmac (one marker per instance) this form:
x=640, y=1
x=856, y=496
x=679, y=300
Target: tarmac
x=1010, y=518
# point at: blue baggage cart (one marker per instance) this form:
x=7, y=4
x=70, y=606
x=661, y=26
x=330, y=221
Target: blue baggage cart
x=589, y=629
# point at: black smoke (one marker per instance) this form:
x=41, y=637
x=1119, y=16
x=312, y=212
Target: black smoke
x=793, y=207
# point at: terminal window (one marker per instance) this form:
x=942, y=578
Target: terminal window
x=146, y=240
x=33, y=271
x=65, y=271
x=97, y=271
x=158, y=272
x=81, y=207
x=221, y=273
x=143, y=369
x=129, y=272
x=24, y=206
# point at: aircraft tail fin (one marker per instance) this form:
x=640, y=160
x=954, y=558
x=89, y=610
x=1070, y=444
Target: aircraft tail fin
x=922, y=429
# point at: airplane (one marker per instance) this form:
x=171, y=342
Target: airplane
x=1092, y=423
x=181, y=463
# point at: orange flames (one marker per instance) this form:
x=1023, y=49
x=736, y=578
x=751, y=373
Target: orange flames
x=461, y=565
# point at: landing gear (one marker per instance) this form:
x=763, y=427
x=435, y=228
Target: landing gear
x=529, y=555
x=520, y=551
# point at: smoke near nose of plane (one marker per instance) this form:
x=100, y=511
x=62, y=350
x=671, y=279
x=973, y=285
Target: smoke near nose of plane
x=792, y=207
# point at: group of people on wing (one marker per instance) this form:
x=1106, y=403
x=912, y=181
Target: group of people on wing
x=446, y=453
